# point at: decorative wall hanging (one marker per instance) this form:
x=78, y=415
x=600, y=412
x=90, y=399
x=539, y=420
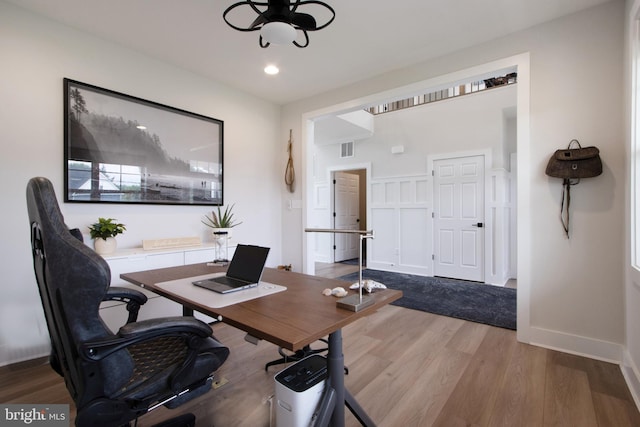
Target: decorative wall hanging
x=572, y=164
x=122, y=149
x=290, y=173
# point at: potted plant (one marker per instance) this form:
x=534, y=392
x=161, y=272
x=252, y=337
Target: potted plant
x=222, y=220
x=103, y=234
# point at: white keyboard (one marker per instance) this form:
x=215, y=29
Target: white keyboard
x=177, y=242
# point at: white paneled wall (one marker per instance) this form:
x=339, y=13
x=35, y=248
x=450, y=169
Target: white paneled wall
x=499, y=227
x=400, y=215
x=401, y=218
x=321, y=218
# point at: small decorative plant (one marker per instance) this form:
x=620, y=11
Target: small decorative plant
x=221, y=219
x=106, y=227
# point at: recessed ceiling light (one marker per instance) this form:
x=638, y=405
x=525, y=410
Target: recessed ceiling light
x=272, y=70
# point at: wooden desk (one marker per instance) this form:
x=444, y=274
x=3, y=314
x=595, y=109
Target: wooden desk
x=291, y=319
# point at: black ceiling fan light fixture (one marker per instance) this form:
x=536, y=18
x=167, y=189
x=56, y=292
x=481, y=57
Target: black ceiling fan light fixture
x=279, y=20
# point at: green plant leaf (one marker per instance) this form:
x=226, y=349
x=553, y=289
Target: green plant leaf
x=105, y=228
x=221, y=219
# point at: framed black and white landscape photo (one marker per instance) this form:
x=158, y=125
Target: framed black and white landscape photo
x=123, y=149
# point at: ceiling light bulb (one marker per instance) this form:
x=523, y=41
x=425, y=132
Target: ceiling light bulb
x=278, y=33
x=271, y=70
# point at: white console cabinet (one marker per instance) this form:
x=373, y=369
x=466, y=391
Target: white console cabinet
x=114, y=313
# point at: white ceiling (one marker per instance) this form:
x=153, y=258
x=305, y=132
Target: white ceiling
x=367, y=38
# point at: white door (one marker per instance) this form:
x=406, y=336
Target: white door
x=346, y=215
x=459, y=218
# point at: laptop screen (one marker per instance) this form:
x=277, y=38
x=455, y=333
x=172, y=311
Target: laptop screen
x=248, y=262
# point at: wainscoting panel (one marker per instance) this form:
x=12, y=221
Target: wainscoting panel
x=499, y=227
x=381, y=251
x=400, y=213
x=414, y=247
x=401, y=219
x=321, y=219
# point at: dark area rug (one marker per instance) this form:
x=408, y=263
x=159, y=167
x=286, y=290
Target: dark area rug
x=476, y=302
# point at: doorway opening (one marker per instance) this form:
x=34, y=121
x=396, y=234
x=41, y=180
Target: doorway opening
x=348, y=212
x=314, y=169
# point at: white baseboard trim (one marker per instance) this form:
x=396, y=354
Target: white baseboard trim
x=10, y=360
x=578, y=345
x=399, y=268
x=631, y=376
x=322, y=258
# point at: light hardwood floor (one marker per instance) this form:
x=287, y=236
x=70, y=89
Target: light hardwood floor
x=406, y=368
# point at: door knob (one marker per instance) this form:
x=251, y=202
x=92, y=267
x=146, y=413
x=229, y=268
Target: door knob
x=479, y=225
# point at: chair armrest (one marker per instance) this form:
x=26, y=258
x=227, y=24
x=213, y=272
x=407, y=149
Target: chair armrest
x=119, y=293
x=132, y=297
x=188, y=328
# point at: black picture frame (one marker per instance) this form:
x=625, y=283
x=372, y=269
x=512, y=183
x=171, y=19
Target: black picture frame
x=123, y=149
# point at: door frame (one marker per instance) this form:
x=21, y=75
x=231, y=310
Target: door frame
x=367, y=176
x=488, y=226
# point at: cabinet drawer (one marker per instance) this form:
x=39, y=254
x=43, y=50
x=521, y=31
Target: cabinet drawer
x=196, y=257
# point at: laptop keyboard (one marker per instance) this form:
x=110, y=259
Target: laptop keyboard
x=229, y=281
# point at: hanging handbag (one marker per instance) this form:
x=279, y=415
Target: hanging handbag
x=575, y=163
x=571, y=164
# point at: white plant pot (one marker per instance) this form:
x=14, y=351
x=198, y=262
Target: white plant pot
x=105, y=247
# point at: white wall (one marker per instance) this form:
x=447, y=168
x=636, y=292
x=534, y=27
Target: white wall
x=469, y=122
x=36, y=55
x=576, y=286
x=631, y=366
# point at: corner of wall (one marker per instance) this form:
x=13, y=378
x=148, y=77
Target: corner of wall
x=631, y=376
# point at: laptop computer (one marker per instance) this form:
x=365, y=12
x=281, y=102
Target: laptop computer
x=245, y=270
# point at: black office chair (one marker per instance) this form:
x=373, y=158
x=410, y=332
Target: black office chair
x=112, y=378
